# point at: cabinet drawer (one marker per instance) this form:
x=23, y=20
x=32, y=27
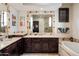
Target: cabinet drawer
x=36, y=39
x=44, y=40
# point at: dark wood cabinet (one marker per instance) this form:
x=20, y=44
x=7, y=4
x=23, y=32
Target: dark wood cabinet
x=36, y=47
x=20, y=46
x=10, y=50
x=44, y=45
x=31, y=45
x=13, y=49
x=41, y=45
x=63, y=14
x=27, y=45
x=53, y=45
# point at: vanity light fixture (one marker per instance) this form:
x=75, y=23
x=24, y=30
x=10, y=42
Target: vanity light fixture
x=50, y=21
x=4, y=19
x=31, y=21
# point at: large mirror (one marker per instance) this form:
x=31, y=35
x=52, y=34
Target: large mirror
x=41, y=23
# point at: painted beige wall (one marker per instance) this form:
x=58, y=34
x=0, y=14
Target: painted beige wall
x=75, y=23
x=3, y=7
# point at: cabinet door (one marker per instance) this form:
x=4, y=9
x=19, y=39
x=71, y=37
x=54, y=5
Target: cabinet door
x=10, y=50
x=53, y=45
x=44, y=45
x=28, y=45
x=36, y=45
x=20, y=46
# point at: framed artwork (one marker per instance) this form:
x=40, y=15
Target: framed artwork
x=13, y=17
x=13, y=20
x=22, y=21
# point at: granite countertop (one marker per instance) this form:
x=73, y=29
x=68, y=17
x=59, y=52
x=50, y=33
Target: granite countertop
x=16, y=33
x=8, y=41
x=38, y=36
x=45, y=36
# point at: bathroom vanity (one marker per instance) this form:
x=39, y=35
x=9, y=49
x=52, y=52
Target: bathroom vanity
x=11, y=47
x=29, y=44
x=37, y=44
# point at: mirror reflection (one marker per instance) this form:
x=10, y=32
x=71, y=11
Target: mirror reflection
x=41, y=23
x=3, y=21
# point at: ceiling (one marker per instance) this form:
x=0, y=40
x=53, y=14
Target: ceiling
x=35, y=6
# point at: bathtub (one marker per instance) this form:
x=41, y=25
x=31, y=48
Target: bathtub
x=67, y=48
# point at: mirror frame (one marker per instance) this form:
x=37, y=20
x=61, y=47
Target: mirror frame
x=30, y=32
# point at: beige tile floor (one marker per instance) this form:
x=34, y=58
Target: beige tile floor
x=40, y=54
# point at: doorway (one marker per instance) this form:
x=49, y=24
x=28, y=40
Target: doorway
x=35, y=26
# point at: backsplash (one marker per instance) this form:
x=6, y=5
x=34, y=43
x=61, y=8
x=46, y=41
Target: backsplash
x=73, y=40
